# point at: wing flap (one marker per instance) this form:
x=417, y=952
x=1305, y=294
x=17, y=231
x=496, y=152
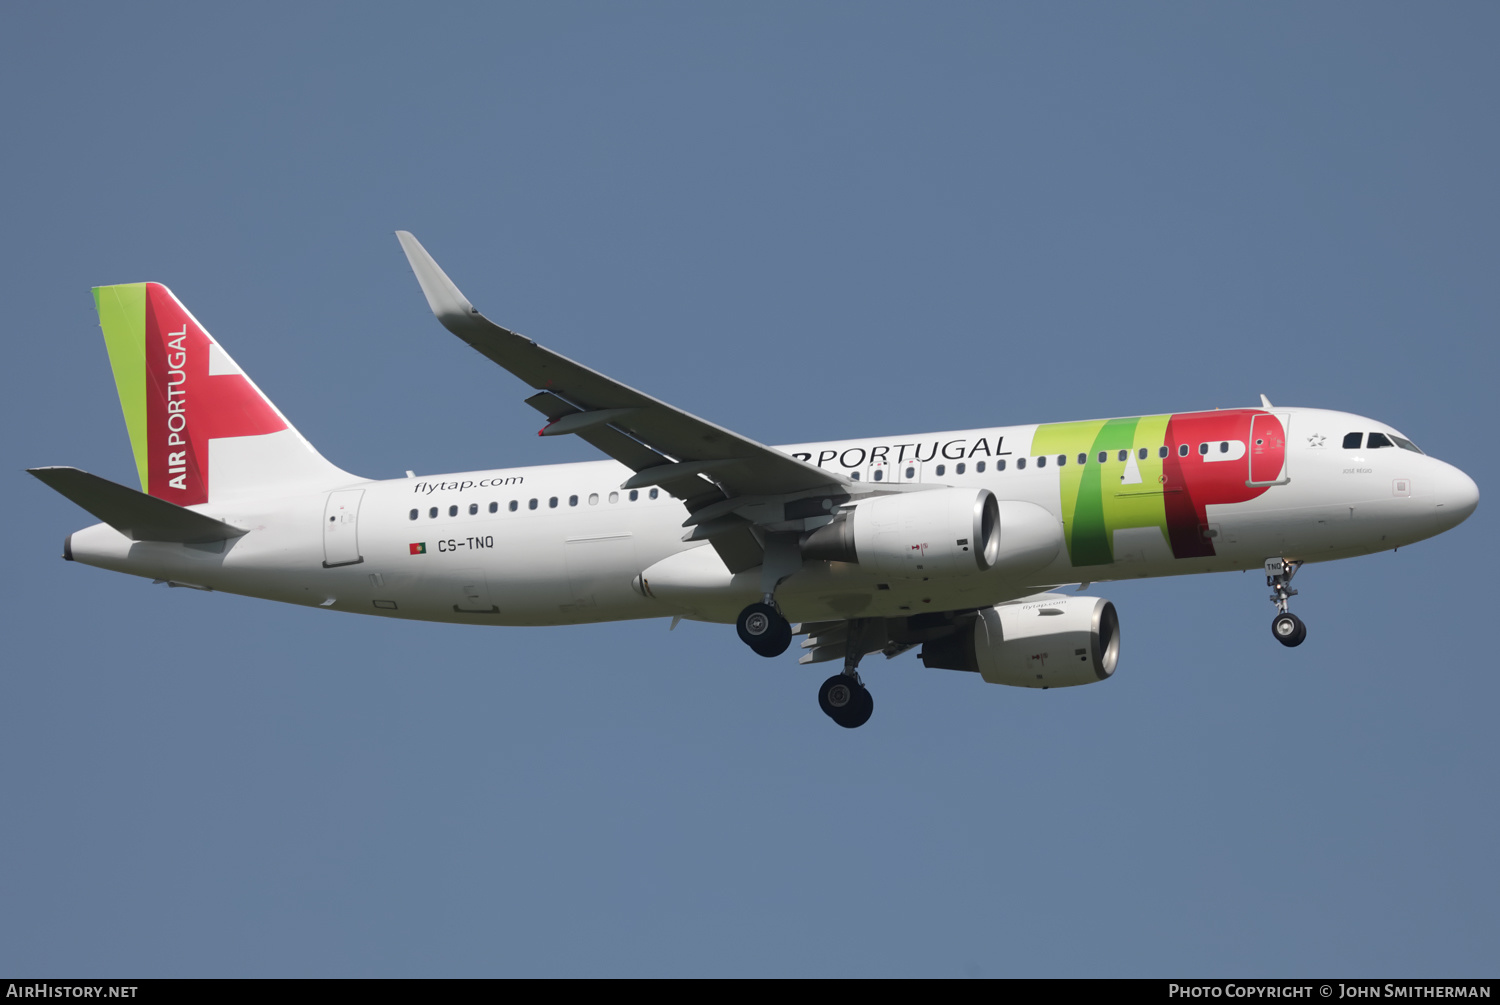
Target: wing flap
x=627, y=450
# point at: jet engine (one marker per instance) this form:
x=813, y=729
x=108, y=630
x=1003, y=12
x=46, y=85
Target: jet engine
x=942, y=532
x=914, y=535
x=1045, y=641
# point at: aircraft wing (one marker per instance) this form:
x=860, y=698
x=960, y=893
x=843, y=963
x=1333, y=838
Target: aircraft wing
x=692, y=458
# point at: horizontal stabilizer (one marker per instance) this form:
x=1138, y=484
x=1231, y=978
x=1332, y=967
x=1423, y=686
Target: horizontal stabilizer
x=137, y=515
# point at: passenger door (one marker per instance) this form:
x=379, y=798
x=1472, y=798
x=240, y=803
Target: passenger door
x=1268, y=450
x=341, y=528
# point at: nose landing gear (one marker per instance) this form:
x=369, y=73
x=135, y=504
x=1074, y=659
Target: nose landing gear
x=1287, y=628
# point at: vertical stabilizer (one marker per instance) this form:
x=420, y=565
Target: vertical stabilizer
x=199, y=427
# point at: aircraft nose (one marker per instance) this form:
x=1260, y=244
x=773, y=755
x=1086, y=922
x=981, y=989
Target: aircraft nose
x=1457, y=496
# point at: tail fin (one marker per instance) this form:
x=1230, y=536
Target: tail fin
x=199, y=427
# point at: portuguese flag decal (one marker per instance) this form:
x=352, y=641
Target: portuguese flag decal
x=419, y=548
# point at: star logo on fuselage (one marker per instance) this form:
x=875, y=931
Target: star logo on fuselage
x=1316, y=440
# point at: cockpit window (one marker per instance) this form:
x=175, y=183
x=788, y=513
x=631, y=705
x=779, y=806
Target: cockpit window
x=1352, y=440
x=1378, y=440
x=1406, y=444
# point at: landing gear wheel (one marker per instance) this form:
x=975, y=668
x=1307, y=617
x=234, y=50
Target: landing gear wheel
x=764, y=630
x=846, y=701
x=1288, y=629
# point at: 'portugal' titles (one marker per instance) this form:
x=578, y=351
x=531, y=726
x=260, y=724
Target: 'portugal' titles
x=177, y=409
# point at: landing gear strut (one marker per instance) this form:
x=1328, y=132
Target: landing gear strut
x=843, y=697
x=761, y=626
x=764, y=630
x=1286, y=626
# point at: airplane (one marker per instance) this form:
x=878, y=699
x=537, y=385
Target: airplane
x=957, y=542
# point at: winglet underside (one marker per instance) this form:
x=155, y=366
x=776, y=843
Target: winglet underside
x=443, y=297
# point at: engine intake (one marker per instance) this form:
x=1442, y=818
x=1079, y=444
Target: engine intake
x=1045, y=641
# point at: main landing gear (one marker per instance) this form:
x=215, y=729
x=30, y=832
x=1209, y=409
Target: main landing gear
x=843, y=697
x=763, y=629
x=1286, y=626
x=761, y=625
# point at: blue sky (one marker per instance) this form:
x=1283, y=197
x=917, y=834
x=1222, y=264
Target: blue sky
x=800, y=221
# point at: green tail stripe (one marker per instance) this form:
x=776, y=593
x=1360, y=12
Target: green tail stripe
x=122, y=315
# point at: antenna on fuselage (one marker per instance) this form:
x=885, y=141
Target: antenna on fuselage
x=1266, y=402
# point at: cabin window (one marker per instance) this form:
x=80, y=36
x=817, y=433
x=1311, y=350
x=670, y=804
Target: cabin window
x=1182, y=450
x=1124, y=455
x=1062, y=460
x=1352, y=440
x=1041, y=462
x=877, y=475
x=1000, y=464
x=959, y=468
x=1406, y=444
x=614, y=497
x=854, y=476
x=1143, y=453
x=911, y=473
x=413, y=514
x=1223, y=446
x=572, y=500
x=942, y=469
x=979, y=467
x=653, y=493
x=531, y=504
x=1378, y=440
x=552, y=503
x=635, y=494
x=1203, y=449
x=432, y=513
x=473, y=509
x=593, y=498
x=453, y=511
x=515, y=504
x=1020, y=464
x=1103, y=456
x=494, y=507
x=1083, y=458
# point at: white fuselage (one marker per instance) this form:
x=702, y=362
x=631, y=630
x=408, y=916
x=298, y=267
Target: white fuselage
x=563, y=544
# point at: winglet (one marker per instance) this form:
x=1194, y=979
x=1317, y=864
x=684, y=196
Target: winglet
x=1266, y=402
x=442, y=296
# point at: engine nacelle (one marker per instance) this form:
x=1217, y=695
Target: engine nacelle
x=942, y=532
x=1046, y=641
x=914, y=535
